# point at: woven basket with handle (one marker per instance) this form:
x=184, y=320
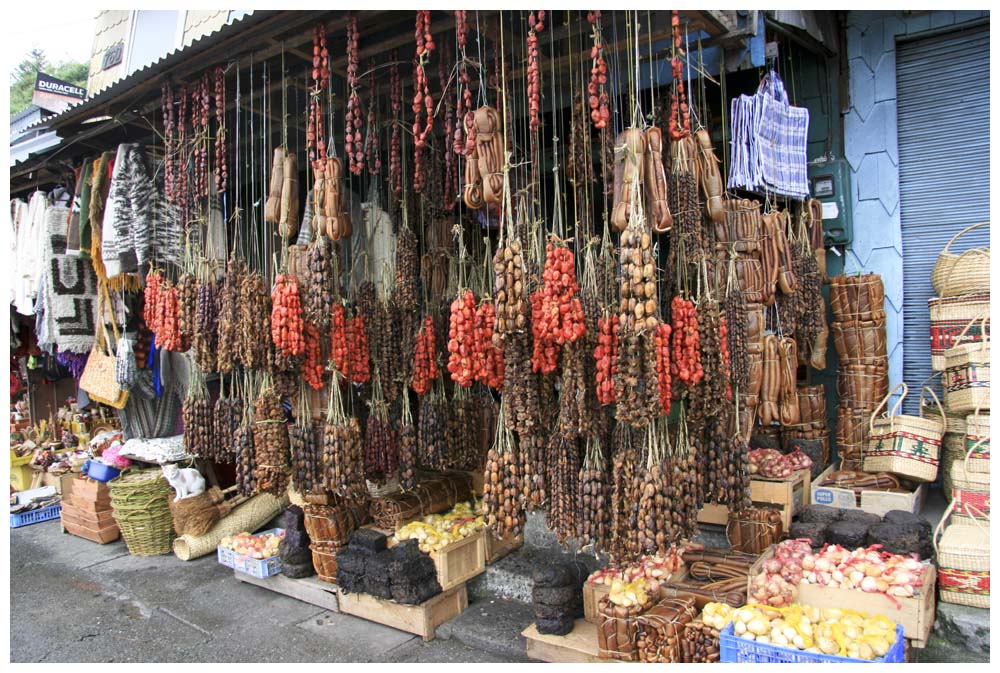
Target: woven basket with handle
x=965, y=273
x=963, y=555
x=905, y=445
x=967, y=373
x=977, y=441
x=949, y=315
x=969, y=489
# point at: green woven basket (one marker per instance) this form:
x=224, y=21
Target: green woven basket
x=141, y=503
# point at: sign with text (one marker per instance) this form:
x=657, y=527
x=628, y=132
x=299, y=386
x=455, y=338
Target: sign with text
x=54, y=94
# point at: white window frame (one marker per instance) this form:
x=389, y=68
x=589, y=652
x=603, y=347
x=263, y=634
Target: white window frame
x=178, y=37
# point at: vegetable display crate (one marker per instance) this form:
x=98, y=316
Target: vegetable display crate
x=579, y=646
x=497, y=548
x=791, y=495
x=421, y=620
x=915, y=614
x=736, y=650
x=260, y=568
x=871, y=501
x=459, y=561
x=307, y=589
x=592, y=595
x=35, y=516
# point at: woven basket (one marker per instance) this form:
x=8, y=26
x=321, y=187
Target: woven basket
x=970, y=489
x=905, y=445
x=949, y=315
x=141, y=503
x=857, y=297
x=967, y=373
x=977, y=442
x=965, y=273
x=963, y=556
x=952, y=450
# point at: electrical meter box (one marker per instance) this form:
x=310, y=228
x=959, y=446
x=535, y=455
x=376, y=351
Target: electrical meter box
x=830, y=183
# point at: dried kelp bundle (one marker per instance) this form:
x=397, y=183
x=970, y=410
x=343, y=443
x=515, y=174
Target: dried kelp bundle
x=228, y=327
x=407, y=447
x=502, y=504
x=227, y=416
x=592, y=500
x=563, y=471
x=432, y=434
x=255, y=322
x=246, y=460
x=319, y=292
x=637, y=388
x=270, y=442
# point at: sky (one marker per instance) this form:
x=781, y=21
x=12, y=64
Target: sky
x=65, y=34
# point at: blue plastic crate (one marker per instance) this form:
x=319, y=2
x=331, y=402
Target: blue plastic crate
x=35, y=516
x=259, y=568
x=736, y=650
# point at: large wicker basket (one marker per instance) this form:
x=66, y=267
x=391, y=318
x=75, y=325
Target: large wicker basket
x=969, y=490
x=963, y=556
x=906, y=445
x=949, y=315
x=962, y=274
x=977, y=441
x=967, y=373
x=140, y=500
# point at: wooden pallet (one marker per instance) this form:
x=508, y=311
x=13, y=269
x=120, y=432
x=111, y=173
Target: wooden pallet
x=579, y=646
x=308, y=589
x=421, y=620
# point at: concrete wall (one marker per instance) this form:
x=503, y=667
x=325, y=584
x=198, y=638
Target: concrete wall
x=871, y=149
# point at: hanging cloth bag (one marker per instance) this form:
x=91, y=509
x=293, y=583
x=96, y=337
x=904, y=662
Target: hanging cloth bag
x=99, y=376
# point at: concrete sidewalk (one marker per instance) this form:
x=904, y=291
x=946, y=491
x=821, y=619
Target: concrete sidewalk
x=74, y=600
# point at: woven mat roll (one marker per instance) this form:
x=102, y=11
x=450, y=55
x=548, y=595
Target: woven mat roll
x=249, y=516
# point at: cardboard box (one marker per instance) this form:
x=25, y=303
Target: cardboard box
x=872, y=501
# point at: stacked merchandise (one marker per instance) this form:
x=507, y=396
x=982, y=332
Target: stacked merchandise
x=863, y=378
x=293, y=550
x=328, y=528
x=403, y=573
x=557, y=597
x=899, y=532
x=811, y=435
x=86, y=510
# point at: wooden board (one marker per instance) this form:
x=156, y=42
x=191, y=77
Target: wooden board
x=579, y=646
x=497, y=548
x=916, y=614
x=308, y=589
x=460, y=561
x=790, y=495
x=421, y=620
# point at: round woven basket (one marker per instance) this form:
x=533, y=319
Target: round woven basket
x=949, y=315
x=963, y=273
x=902, y=444
x=963, y=556
x=140, y=500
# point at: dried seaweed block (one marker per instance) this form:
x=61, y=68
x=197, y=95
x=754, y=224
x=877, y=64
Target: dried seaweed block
x=293, y=518
x=814, y=532
x=902, y=516
x=554, y=575
x=554, y=627
x=897, y=538
x=349, y=582
x=555, y=596
x=543, y=611
x=819, y=514
x=367, y=539
x=297, y=570
x=411, y=569
x=416, y=593
x=296, y=538
x=293, y=555
x=848, y=534
x=860, y=516
x=356, y=564
x=377, y=587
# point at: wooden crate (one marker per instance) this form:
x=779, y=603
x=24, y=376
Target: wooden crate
x=497, y=548
x=87, y=518
x=791, y=495
x=915, y=614
x=872, y=501
x=592, y=595
x=579, y=646
x=98, y=535
x=307, y=589
x=421, y=620
x=460, y=561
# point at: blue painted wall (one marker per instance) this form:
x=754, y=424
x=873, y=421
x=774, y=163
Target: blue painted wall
x=871, y=149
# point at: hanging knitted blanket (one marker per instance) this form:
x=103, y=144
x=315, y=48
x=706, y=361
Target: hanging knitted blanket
x=138, y=224
x=67, y=303
x=769, y=147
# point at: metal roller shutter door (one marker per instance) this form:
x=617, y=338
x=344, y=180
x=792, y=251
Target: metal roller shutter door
x=943, y=102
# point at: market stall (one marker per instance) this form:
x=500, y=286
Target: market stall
x=572, y=289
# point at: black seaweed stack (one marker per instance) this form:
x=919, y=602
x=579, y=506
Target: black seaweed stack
x=403, y=573
x=293, y=550
x=413, y=577
x=899, y=532
x=557, y=597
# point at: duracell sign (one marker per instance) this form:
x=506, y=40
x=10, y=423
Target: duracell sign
x=48, y=84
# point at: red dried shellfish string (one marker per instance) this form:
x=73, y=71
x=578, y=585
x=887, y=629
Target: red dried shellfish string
x=597, y=96
x=463, y=109
x=680, y=114
x=221, y=172
x=606, y=356
x=396, y=140
x=287, y=326
x=425, y=368
x=371, y=139
x=422, y=100
x=535, y=26
x=661, y=340
x=353, y=146
x=685, y=362
x=315, y=141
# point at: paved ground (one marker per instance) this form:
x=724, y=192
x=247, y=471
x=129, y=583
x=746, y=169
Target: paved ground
x=73, y=600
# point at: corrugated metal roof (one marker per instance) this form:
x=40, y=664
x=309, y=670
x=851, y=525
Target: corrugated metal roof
x=170, y=60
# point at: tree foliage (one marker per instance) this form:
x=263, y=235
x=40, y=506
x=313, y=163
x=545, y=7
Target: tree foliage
x=22, y=77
